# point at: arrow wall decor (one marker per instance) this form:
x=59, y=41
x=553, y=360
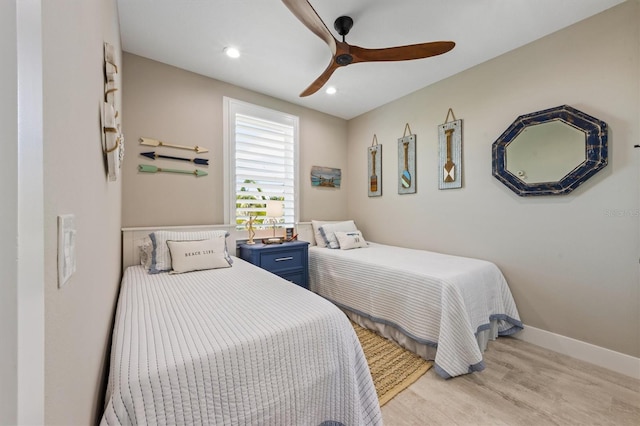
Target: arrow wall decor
x=152, y=155
x=155, y=142
x=146, y=168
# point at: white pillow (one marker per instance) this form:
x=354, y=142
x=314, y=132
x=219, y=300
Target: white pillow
x=328, y=232
x=187, y=256
x=160, y=256
x=316, y=224
x=350, y=240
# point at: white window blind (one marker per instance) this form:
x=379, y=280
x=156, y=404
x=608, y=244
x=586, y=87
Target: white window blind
x=263, y=156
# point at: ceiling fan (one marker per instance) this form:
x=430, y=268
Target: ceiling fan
x=344, y=54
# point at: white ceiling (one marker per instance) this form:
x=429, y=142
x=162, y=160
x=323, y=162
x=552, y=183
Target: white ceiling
x=281, y=57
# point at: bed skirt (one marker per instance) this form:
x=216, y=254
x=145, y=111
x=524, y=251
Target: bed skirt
x=425, y=351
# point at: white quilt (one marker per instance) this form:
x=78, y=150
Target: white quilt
x=234, y=346
x=433, y=298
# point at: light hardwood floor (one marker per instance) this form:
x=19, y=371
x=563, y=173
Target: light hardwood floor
x=522, y=384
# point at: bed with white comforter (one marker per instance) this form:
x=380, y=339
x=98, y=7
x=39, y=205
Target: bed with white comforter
x=426, y=300
x=233, y=346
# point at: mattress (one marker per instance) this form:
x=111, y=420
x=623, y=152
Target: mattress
x=233, y=346
x=437, y=300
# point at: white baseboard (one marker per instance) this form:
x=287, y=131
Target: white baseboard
x=612, y=360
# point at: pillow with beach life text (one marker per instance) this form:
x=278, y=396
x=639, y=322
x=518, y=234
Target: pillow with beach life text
x=160, y=256
x=198, y=255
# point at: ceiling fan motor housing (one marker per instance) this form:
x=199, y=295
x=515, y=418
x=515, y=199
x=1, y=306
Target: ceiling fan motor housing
x=344, y=59
x=343, y=25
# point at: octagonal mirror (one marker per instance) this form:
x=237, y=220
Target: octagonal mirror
x=550, y=152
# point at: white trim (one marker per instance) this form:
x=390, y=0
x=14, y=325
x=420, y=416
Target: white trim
x=227, y=177
x=305, y=232
x=30, y=214
x=606, y=358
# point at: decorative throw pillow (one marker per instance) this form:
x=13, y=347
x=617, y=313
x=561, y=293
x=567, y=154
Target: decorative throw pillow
x=160, y=257
x=350, y=240
x=145, y=250
x=328, y=232
x=316, y=224
x=187, y=256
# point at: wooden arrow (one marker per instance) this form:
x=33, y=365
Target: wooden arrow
x=155, y=142
x=152, y=155
x=153, y=169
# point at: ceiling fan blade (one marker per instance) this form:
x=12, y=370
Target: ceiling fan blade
x=320, y=81
x=306, y=14
x=401, y=53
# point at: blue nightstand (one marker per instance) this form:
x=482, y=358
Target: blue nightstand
x=288, y=260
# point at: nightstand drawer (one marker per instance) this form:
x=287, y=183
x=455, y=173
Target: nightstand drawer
x=288, y=260
x=296, y=278
x=282, y=260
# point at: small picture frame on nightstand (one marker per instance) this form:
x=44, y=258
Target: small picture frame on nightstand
x=289, y=234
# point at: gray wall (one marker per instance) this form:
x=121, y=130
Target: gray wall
x=180, y=107
x=78, y=316
x=9, y=222
x=571, y=261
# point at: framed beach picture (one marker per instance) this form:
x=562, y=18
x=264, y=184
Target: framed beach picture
x=326, y=177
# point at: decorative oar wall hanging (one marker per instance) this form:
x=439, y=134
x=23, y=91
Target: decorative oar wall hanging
x=407, y=162
x=450, y=153
x=374, y=161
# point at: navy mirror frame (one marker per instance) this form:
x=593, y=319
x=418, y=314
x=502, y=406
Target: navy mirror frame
x=595, y=145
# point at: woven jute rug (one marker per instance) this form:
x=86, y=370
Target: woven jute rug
x=392, y=367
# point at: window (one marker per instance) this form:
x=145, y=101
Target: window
x=261, y=152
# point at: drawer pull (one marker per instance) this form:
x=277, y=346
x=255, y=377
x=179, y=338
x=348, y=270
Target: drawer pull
x=281, y=259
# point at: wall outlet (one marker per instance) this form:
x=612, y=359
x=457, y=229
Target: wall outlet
x=66, y=248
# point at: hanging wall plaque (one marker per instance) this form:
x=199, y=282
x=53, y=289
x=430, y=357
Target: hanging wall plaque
x=113, y=139
x=374, y=168
x=407, y=163
x=450, y=153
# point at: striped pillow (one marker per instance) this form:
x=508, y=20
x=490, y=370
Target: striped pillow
x=328, y=232
x=160, y=255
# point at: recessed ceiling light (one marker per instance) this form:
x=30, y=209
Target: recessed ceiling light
x=331, y=90
x=232, y=52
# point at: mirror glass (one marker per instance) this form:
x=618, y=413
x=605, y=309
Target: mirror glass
x=546, y=152
x=550, y=152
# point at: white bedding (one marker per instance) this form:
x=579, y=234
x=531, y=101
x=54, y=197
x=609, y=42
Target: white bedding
x=435, y=299
x=233, y=346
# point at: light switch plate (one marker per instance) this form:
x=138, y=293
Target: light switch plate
x=66, y=248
